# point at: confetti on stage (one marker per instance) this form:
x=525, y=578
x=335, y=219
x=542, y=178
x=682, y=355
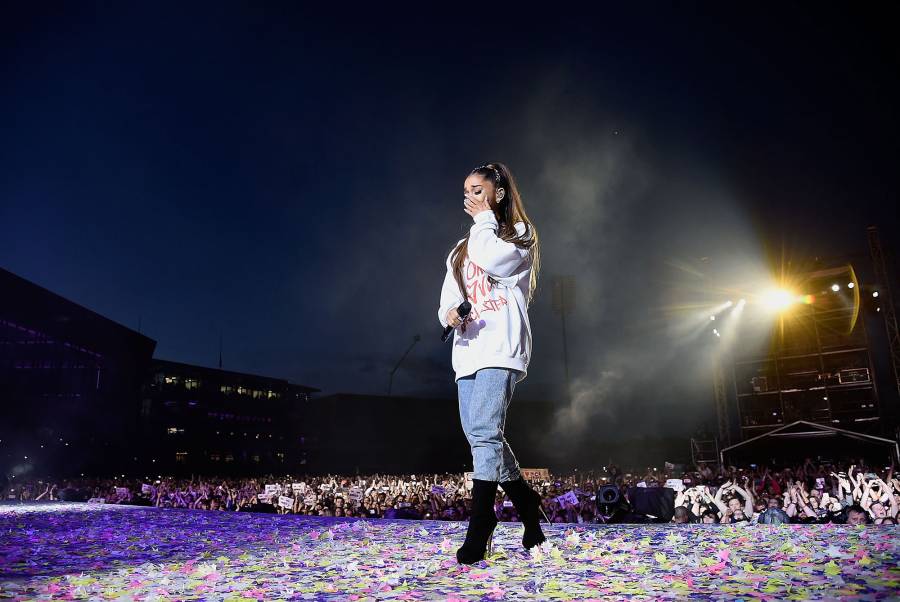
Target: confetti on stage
x=81, y=551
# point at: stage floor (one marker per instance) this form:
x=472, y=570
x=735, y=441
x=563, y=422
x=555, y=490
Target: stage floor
x=85, y=551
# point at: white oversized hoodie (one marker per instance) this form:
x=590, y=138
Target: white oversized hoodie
x=498, y=334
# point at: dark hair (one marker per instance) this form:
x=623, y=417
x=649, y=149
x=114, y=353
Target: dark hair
x=509, y=212
x=683, y=513
x=855, y=508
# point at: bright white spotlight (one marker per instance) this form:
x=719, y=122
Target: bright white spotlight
x=777, y=299
x=835, y=287
x=712, y=317
x=729, y=304
x=850, y=285
x=875, y=294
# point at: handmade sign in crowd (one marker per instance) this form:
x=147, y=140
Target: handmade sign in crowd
x=535, y=474
x=121, y=490
x=569, y=497
x=145, y=488
x=285, y=502
x=273, y=489
x=676, y=484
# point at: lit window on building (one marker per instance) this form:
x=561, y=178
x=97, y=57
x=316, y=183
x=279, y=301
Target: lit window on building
x=280, y=455
x=171, y=380
x=256, y=458
x=174, y=430
x=181, y=457
x=227, y=389
x=191, y=383
x=229, y=458
x=243, y=391
x=274, y=395
x=215, y=457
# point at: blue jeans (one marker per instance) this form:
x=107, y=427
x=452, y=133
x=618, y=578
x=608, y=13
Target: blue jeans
x=483, y=400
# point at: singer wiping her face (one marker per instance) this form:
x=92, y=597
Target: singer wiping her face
x=494, y=268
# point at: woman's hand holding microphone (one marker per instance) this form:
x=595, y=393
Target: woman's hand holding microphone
x=453, y=318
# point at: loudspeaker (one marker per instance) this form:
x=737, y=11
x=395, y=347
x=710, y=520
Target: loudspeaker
x=654, y=501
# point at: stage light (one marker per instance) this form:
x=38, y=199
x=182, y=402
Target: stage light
x=835, y=287
x=875, y=293
x=729, y=304
x=778, y=299
x=712, y=317
x=738, y=309
x=850, y=285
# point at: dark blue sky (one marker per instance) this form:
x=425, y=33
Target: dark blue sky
x=291, y=178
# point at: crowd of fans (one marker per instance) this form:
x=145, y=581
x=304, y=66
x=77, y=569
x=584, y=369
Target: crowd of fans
x=803, y=493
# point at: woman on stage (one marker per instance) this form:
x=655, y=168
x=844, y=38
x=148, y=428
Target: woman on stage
x=495, y=269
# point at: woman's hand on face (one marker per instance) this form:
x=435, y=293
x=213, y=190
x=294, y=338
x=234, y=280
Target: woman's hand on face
x=473, y=206
x=453, y=318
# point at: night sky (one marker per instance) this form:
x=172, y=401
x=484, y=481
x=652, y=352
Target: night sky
x=292, y=180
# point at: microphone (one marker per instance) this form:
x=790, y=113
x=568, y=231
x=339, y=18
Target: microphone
x=463, y=310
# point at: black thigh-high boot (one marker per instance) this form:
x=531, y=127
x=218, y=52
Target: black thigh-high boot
x=528, y=506
x=481, y=522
